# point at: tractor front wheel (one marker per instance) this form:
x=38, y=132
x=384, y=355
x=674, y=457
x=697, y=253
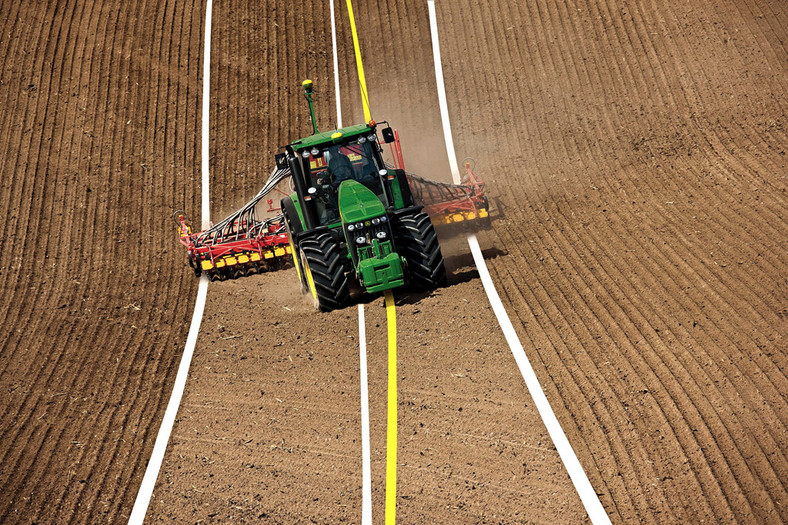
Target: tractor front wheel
x=325, y=271
x=418, y=243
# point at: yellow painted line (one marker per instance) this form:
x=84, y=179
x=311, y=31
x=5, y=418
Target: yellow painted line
x=391, y=419
x=391, y=318
x=361, y=80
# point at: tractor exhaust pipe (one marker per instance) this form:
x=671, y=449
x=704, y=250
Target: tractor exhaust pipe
x=297, y=174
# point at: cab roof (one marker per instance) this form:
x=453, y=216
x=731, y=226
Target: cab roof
x=325, y=136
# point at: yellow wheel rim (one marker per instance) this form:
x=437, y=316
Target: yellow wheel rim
x=309, y=280
x=295, y=257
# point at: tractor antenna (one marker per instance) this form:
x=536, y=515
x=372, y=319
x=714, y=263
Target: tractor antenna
x=307, y=85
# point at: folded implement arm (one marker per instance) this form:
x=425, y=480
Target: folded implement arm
x=241, y=244
x=445, y=203
x=452, y=203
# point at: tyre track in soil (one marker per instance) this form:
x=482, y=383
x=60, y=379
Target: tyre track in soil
x=100, y=104
x=620, y=318
x=721, y=382
x=642, y=367
x=269, y=426
x=657, y=324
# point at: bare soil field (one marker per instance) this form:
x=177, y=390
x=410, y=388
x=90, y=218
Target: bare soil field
x=639, y=156
x=636, y=155
x=98, y=110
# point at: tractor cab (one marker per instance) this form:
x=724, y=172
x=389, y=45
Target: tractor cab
x=351, y=154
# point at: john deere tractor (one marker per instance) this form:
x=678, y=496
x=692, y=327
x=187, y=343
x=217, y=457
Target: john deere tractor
x=351, y=220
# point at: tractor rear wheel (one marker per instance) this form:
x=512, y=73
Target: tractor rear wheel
x=418, y=243
x=325, y=269
x=293, y=225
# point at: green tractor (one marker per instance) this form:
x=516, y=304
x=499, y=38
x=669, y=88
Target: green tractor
x=351, y=220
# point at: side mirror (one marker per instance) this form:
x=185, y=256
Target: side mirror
x=388, y=135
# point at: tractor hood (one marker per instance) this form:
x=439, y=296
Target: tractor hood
x=358, y=203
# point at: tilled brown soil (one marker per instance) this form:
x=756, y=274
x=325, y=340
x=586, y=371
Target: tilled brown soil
x=270, y=425
x=636, y=154
x=641, y=170
x=637, y=158
x=98, y=110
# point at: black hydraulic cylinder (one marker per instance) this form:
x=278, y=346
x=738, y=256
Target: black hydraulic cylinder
x=307, y=204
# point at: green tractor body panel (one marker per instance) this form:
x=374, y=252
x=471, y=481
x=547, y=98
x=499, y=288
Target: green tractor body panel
x=399, y=203
x=380, y=267
x=396, y=190
x=297, y=204
x=357, y=203
x=327, y=136
x=349, y=206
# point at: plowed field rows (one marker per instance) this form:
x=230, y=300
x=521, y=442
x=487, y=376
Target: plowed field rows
x=99, y=105
x=641, y=168
x=637, y=157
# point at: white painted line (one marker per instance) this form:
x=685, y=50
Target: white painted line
x=206, y=114
x=160, y=447
x=584, y=489
x=336, y=64
x=444, y=107
x=366, y=457
x=366, y=467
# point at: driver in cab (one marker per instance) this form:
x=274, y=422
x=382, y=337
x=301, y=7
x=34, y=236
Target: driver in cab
x=340, y=169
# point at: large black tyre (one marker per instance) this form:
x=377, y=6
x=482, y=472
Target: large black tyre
x=293, y=225
x=291, y=216
x=325, y=269
x=418, y=243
